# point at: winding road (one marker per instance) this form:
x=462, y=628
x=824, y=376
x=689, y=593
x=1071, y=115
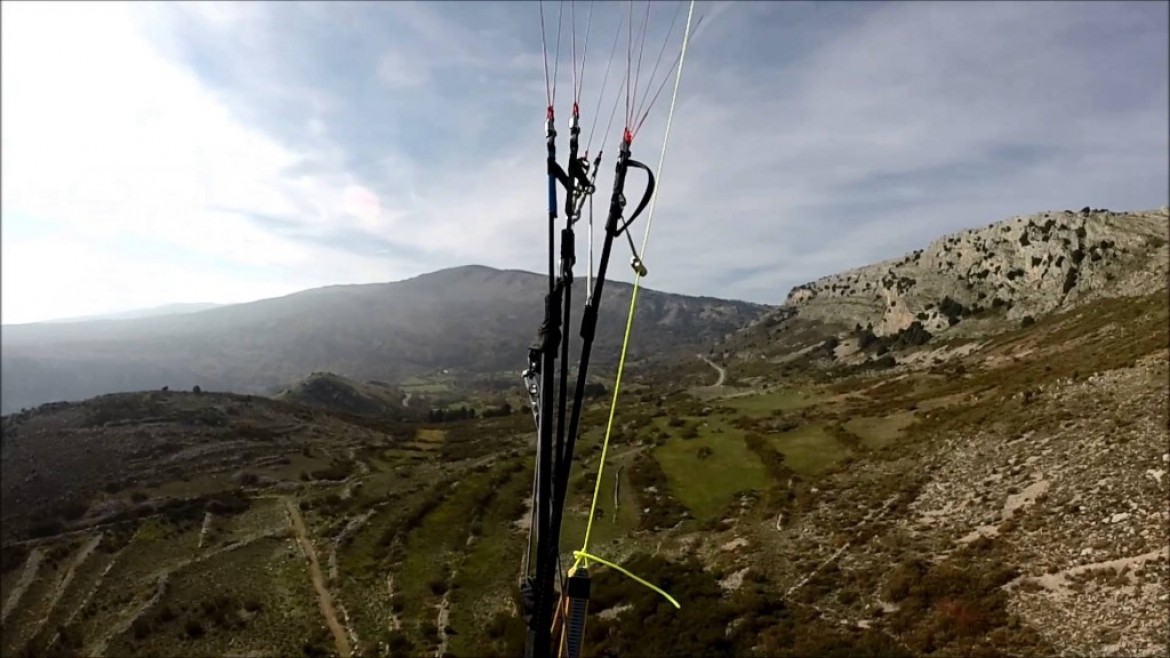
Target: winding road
x=722, y=371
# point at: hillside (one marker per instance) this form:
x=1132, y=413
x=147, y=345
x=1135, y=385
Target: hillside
x=473, y=319
x=325, y=390
x=997, y=488
x=1028, y=265
x=972, y=284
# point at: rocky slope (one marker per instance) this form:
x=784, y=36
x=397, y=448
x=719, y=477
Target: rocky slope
x=1024, y=266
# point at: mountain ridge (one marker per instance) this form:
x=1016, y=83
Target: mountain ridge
x=177, y=308
x=473, y=318
x=1028, y=264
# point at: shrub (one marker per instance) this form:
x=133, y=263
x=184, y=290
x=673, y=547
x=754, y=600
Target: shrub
x=429, y=631
x=45, y=528
x=1070, y=280
x=399, y=644
x=12, y=556
x=142, y=628
x=194, y=628
x=71, y=510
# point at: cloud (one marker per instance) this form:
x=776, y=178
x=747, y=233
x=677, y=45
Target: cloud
x=305, y=145
x=124, y=154
x=398, y=71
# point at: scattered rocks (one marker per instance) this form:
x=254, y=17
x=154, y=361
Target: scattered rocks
x=734, y=544
x=1089, y=534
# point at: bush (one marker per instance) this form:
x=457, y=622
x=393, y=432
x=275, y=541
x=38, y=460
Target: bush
x=247, y=479
x=1070, y=280
x=45, y=528
x=194, y=628
x=334, y=472
x=1027, y=321
x=399, y=644
x=142, y=628
x=12, y=557
x=71, y=510
x=430, y=631
x=229, y=503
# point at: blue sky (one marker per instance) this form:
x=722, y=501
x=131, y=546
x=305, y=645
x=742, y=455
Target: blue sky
x=224, y=152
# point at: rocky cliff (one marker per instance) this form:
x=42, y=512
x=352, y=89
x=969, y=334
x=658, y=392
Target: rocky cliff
x=1023, y=266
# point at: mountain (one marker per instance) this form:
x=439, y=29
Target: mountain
x=1027, y=265
x=471, y=318
x=167, y=309
x=974, y=283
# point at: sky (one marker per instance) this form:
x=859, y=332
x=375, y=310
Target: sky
x=157, y=153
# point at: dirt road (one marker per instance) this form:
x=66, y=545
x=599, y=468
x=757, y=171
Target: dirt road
x=31, y=565
x=722, y=371
x=323, y=597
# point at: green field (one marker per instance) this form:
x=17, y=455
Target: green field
x=765, y=403
x=424, y=385
x=876, y=432
x=808, y=450
x=705, y=486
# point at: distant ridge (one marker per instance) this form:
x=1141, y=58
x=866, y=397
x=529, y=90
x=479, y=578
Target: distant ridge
x=155, y=311
x=472, y=318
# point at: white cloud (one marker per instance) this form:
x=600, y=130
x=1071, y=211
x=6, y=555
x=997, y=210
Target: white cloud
x=111, y=143
x=398, y=70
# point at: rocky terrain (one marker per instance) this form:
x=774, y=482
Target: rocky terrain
x=1026, y=266
x=996, y=486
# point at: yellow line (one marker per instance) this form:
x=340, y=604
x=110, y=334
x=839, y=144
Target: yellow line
x=583, y=555
x=580, y=554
